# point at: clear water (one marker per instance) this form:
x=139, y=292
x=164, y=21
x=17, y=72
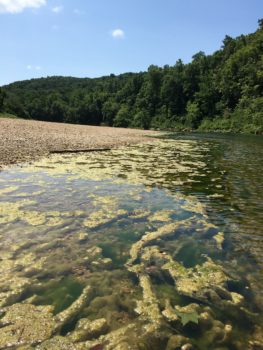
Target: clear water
x=70, y=221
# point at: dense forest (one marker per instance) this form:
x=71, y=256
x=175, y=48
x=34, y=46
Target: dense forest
x=222, y=91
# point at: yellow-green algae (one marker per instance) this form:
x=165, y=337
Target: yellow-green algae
x=219, y=238
x=131, y=162
x=12, y=211
x=148, y=308
x=162, y=215
x=8, y=190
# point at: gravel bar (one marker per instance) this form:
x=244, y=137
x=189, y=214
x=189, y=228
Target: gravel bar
x=27, y=140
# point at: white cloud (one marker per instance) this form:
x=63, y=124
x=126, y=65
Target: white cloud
x=118, y=34
x=16, y=6
x=79, y=12
x=57, y=9
x=30, y=67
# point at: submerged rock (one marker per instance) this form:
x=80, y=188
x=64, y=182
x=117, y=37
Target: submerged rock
x=66, y=315
x=102, y=217
x=256, y=342
x=169, y=312
x=87, y=329
x=148, y=307
x=12, y=288
x=25, y=324
x=162, y=216
x=177, y=342
x=163, y=231
x=93, y=252
x=83, y=237
x=117, y=339
x=219, y=238
x=57, y=343
x=139, y=214
x=206, y=282
x=94, y=259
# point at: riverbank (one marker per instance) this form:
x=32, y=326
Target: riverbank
x=27, y=140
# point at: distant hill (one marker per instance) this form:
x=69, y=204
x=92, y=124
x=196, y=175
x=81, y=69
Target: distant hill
x=222, y=91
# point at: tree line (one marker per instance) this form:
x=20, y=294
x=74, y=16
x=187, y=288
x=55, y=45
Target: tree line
x=222, y=91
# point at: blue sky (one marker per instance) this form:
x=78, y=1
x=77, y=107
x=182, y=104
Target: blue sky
x=89, y=38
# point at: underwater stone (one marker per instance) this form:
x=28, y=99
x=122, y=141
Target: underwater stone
x=26, y=324
x=12, y=288
x=187, y=347
x=106, y=263
x=206, y=282
x=123, y=346
x=198, y=282
x=237, y=299
x=31, y=300
x=256, y=342
x=219, y=238
x=56, y=343
x=103, y=216
x=139, y=214
x=169, y=312
x=148, y=308
x=94, y=252
x=66, y=315
x=87, y=329
x=153, y=254
x=215, y=335
x=218, y=334
x=117, y=339
x=162, y=215
x=83, y=236
x=176, y=342
x=101, y=264
x=194, y=206
x=205, y=320
x=163, y=231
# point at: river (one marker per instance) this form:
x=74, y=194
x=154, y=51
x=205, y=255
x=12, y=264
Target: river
x=151, y=246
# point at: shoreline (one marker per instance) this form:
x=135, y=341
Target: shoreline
x=23, y=141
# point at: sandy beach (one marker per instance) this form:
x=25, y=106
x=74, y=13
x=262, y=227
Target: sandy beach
x=27, y=140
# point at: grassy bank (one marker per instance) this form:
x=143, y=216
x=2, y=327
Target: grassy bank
x=8, y=115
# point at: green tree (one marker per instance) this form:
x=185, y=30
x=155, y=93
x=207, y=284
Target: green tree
x=141, y=120
x=2, y=97
x=109, y=111
x=193, y=114
x=123, y=118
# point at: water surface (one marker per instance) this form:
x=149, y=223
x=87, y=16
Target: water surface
x=167, y=235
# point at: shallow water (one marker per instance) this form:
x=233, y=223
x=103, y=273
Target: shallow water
x=168, y=235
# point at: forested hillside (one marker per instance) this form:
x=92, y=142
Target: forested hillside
x=222, y=91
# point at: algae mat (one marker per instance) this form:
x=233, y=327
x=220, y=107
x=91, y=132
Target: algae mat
x=117, y=250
